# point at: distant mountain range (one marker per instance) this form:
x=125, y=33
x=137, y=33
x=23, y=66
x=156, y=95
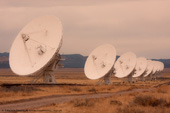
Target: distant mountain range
x=4, y=60
x=71, y=61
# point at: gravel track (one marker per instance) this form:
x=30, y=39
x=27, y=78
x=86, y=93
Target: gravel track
x=58, y=99
x=27, y=104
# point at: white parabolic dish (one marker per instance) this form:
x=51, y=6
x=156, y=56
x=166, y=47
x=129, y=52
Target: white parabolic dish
x=158, y=65
x=162, y=66
x=36, y=45
x=149, y=68
x=100, y=61
x=125, y=65
x=140, y=67
x=155, y=67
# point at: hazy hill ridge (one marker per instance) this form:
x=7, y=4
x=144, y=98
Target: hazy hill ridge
x=71, y=61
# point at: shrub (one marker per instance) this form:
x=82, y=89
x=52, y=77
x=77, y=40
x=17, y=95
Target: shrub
x=76, y=89
x=115, y=102
x=85, y=102
x=15, y=89
x=128, y=109
x=93, y=90
x=149, y=101
x=161, y=91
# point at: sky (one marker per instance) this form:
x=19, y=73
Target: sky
x=139, y=26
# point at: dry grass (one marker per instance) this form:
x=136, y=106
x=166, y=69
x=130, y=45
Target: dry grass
x=68, y=76
x=156, y=101
x=146, y=102
x=8, y=94
x=115, y=102
x=83, y=103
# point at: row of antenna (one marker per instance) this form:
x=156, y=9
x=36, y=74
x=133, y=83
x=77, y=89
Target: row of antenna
x=35, y=51
x=102, y=63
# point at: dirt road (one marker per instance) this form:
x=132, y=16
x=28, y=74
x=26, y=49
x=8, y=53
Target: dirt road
x=58, y=99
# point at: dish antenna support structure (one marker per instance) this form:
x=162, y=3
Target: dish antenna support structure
x=35, y=50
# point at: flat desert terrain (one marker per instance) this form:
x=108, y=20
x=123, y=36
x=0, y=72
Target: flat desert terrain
x=74, y=93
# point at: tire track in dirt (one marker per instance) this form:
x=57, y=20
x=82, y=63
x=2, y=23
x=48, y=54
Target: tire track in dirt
x=58, y=99
x=32, y=103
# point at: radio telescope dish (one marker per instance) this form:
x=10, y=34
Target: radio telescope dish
x=140, y=67
x=100, y=62
x=37, y=46
x=162, y=66
x=158, y=66
x=149, y=68
x=159, y=69
x=158, y=72
x=155, y=70
x=125, y=65
x=155, y=66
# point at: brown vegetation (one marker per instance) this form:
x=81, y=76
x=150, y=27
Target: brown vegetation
x=154, y=101
x=146, y=102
